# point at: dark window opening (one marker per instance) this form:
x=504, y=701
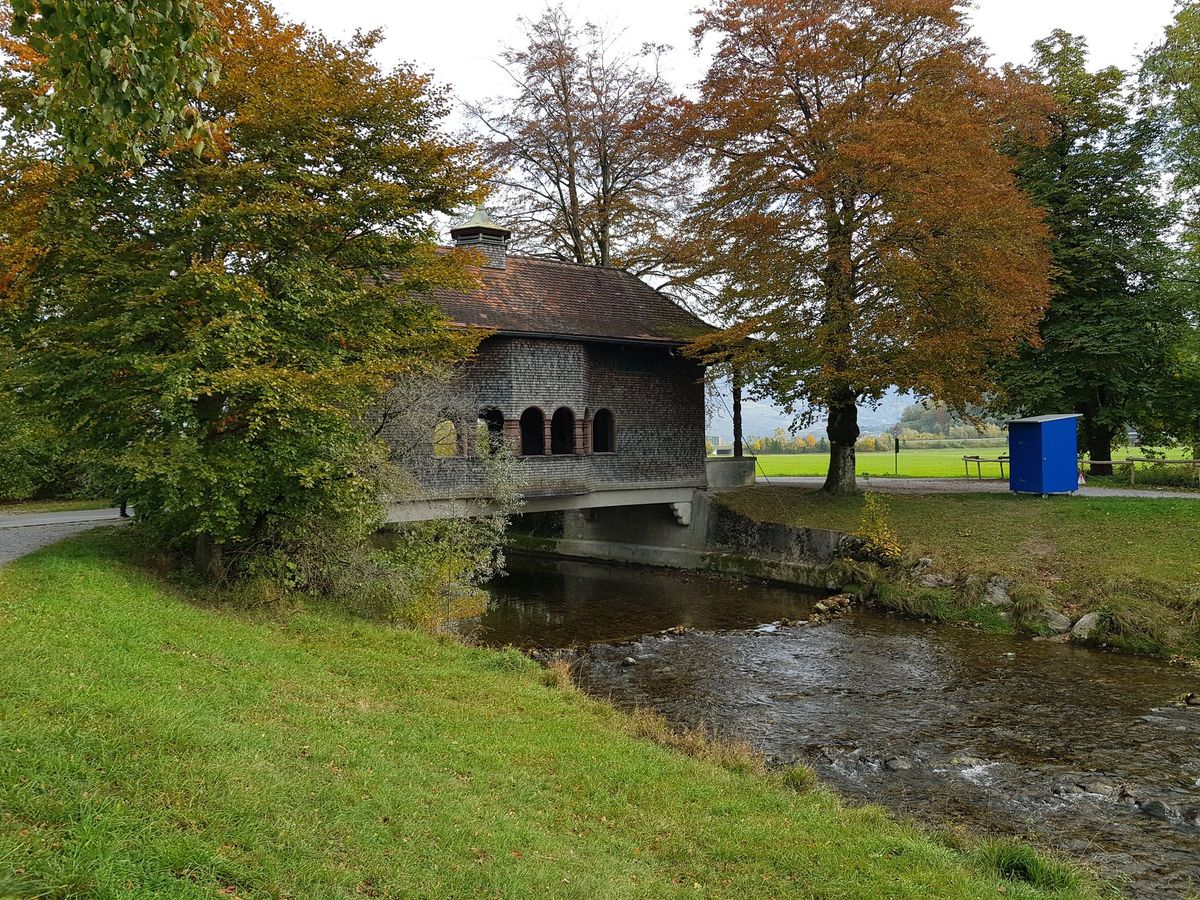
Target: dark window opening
x=562, y=432
x=489, y=432
x=533, y=432
x=604, y=432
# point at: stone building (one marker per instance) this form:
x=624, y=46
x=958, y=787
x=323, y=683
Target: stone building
x=582, y=376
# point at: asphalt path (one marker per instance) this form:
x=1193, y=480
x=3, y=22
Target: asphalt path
x=22, y=533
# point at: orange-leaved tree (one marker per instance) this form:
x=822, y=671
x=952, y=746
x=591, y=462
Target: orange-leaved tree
x=862, y=227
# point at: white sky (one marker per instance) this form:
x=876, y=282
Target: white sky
x=458, y=40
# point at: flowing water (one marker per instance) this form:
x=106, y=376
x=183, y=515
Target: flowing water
x=1081, y=750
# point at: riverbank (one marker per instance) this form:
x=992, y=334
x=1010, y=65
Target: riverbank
x=1135, y=563
x=154, y=747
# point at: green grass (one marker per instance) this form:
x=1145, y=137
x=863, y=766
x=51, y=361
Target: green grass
x=153, y=747
x=948, y=463
x=912, y=463
x=41, y=506
x=1139, y=557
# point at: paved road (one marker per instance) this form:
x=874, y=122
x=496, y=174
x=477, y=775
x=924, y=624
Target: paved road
x=23, y=533
x=970, y=486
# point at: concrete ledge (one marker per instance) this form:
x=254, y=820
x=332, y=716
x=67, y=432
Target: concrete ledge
x=424, y=510
x=804, y=574
x=727, y=473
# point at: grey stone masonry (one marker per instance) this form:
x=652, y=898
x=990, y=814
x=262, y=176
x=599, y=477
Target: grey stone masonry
x=654, y=393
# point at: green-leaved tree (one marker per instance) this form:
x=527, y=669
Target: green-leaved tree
x=1105, y=340
x=210, y=328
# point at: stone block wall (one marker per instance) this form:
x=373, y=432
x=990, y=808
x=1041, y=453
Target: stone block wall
x=656, y=397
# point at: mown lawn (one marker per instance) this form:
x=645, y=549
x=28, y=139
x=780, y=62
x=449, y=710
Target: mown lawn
x=948, y=463
x=912, y=463
x=150, y=746
x=1140, y=557
x=40, y=506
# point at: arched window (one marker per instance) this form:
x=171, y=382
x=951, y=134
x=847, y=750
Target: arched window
x=533, y=432
x=562, y=432
x=489, y=431
x=604, y=432
x=445, y=439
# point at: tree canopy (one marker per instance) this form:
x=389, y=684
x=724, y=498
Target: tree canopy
x=863, y=227
x=211, y=327
x=577, y=152
x=1171, y=84
x=114, y=76
x=1105, y=340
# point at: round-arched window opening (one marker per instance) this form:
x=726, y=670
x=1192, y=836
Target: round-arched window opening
x=604, y=432
x=562, y=432
x=533, y=432
x=445, y=439
x=489, y=431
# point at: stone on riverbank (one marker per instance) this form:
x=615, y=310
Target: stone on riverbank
x=995, y=593
x=1052, y=620
x=1085, y=629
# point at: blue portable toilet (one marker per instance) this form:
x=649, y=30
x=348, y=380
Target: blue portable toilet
x=1043, y=455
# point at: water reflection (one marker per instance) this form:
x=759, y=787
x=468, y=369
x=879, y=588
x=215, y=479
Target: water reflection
x=1084, y=750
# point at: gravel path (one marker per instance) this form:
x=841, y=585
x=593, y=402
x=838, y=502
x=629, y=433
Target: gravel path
x=970, y=486
x=16, y=542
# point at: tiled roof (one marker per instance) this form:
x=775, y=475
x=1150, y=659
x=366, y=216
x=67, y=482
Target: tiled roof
x=547, y=297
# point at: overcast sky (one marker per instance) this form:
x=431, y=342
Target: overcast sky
x=459, y=40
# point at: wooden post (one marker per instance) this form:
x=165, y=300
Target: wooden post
x=737, y=414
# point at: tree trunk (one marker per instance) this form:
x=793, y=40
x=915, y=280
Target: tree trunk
x=843, y=435
x=1099, y=444
x=209, y=558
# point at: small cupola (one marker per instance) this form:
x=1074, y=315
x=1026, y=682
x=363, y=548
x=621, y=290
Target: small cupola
x=484, y=233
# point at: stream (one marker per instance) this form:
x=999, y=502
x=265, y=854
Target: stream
x=1079, y=750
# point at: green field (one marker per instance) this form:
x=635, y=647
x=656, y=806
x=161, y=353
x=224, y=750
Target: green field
x=912, y=463
x=151, y=746
x=945, y=463
x=40, y=506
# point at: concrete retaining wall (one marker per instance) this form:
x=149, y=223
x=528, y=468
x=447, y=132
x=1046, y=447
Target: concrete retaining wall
x=717, y=540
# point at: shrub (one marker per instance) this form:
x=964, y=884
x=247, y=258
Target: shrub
x=882, y=544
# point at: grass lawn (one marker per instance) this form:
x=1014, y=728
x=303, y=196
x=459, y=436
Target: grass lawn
x=40, y=506
x=948, y=463
x=1141, y=557
x=153, y=747
x=913, y=463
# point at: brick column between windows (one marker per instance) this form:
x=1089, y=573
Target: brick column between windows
x=512, y=435
x=548, y=424
x=581, y=443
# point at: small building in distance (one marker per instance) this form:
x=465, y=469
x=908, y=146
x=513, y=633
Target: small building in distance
x=582, y=376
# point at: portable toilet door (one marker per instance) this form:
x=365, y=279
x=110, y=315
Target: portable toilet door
x=1043, y=455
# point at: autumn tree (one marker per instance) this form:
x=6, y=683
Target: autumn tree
x=1106, y=338
x=213, y=326
x=578, y=149
x=863, y=227
x=114, y=75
